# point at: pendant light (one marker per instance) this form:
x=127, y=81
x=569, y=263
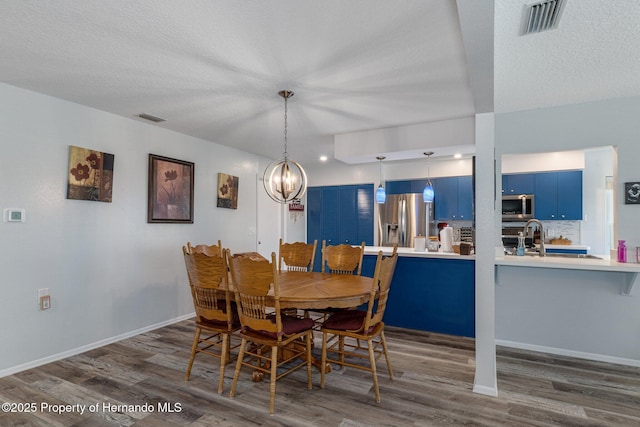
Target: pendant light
x=428, y=193
x=285, y=180
x=381, y=195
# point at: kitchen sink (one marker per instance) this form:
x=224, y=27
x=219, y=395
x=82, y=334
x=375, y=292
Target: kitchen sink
x=556, y=255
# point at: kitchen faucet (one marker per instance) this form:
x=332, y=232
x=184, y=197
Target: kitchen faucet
x=542, y=251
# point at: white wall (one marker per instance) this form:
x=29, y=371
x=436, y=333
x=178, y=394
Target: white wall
x=109, y=272
x=566, y=307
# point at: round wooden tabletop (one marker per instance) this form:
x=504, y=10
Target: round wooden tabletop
x=322, y=290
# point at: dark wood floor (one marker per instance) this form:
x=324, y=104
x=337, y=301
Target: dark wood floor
x=432, y=387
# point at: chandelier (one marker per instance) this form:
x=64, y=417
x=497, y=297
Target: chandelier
x=284, y=180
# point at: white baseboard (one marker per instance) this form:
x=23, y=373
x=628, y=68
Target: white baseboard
x=487, y=391
x=570, y=353
x=55, y=357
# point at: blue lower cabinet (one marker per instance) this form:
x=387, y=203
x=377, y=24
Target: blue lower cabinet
x=430, y=294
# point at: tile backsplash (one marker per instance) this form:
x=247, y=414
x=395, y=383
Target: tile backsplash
x=554, y=229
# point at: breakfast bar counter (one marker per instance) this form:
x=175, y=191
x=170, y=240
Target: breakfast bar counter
x=628, y=272
x=430, y=291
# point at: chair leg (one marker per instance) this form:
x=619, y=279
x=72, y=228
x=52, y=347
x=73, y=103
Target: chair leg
x=194, y=348
x=323, y=360
x=309, y=375
x=386, y=354
x=223, y=360
x=341, y=348
x=274, y=375
x=372, y=360
x=236, y=374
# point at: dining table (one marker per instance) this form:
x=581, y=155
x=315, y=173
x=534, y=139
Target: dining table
x=309, y=290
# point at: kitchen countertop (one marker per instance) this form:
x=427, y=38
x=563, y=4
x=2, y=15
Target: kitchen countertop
x=409, y=252
x=630, y=270
x=604, y=264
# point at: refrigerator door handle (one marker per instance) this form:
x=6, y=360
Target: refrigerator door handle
x=402, y=233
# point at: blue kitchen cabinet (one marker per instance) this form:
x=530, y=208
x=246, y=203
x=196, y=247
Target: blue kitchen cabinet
x=397, y=187
x=446, y=197
x=521, y=183
x=347, y=217
x=465, y=198
x=570, y=195
x=546, y=196
x=417, y=185
x=430, y=294
x=364, y=208
x=558, y=195
x=339, y=214
x=453, y=198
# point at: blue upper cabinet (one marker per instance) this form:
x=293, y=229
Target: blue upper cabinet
x=398, y=187
x=522, y=183
x=453, y=198
x=546, y=195
x=465, y=198
x=558, y=195
x=339, y=214
x=570, y=195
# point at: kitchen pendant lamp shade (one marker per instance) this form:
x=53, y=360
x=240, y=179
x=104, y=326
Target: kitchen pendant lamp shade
x=284, y=180
x=381, y=194
x=428, y=194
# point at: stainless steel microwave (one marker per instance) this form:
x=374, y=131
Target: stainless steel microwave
x=518, y=207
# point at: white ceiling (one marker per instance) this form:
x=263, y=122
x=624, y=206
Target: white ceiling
x=213, y=68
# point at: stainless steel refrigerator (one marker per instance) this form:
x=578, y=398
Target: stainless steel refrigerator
x=404, y=216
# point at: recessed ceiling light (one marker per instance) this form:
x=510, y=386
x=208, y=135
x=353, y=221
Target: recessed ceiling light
x=457, y=156
x=323, y=158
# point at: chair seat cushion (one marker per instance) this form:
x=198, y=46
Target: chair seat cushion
x=293, y=325
x=290, y=325
x=345, y=320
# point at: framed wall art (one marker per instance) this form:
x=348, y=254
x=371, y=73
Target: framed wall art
x=90, y=175
x=227, y=191
x=632, y=193
x=170, y=194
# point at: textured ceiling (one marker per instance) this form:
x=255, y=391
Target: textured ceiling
x=213, y=68
x=594, y=54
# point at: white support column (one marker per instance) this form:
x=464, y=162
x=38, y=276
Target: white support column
x=485, y=215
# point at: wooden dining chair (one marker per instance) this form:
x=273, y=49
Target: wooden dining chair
x=338, y=259
x=270, y=339
x=342, y=259
x=206, y=249
x=296, y=256
x=216, y=314
x=361, y=326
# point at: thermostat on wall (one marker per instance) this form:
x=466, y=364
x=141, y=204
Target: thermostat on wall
x=13, y=215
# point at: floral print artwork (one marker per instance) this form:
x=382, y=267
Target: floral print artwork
x=227, y=191
x=90, y=175
x=170, y=190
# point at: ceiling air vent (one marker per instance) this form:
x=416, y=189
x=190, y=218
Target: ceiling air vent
x=542, y=16
x=151, y=118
